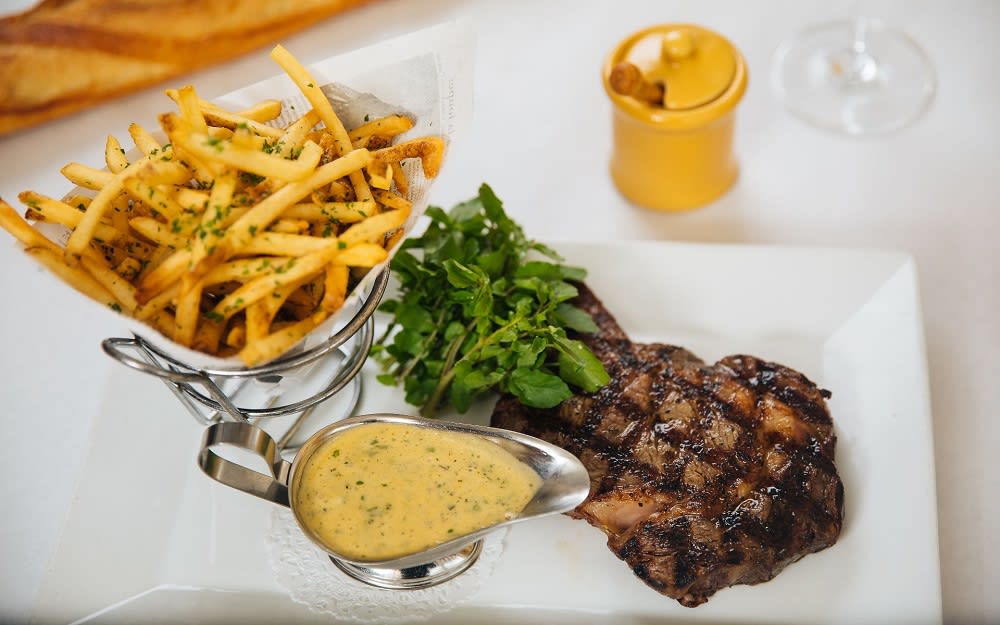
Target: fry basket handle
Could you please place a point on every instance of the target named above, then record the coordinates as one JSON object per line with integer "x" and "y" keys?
{"x": 271, "y": 487}
{"x": 115, "y": 347}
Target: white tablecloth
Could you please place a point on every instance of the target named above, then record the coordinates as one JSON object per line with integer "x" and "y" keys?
{"x": 540, "y": 137}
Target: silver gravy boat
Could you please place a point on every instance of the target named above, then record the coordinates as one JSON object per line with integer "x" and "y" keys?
{"x": 565, "y": 484}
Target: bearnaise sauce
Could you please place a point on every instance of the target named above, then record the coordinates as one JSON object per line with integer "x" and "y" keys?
{"x": 384, "y": 490}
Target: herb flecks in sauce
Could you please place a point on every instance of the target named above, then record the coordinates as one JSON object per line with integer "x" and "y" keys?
{"x": 375, "y": 492}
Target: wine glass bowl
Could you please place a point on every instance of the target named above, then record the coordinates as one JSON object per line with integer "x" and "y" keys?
{"x": 854, "y": 76}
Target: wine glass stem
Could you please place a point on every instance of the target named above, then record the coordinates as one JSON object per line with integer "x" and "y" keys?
{"x": 855, "y": 66}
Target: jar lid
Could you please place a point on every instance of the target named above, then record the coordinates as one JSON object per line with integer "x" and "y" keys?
{"x": 694, "y": 67}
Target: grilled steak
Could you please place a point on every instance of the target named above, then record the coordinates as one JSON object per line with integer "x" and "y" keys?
{"x": 702, "y": 476}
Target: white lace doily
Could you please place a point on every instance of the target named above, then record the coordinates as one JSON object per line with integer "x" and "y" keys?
{"x": 306, "y": 572}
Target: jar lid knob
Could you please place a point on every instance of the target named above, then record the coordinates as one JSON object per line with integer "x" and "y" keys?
{"x": 677, "y": 45}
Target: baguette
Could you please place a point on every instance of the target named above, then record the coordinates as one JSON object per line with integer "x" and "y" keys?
{"x": 64, "y": 55}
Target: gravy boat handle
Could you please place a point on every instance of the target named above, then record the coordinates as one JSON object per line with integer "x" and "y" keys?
{"x": 273, "y": 487}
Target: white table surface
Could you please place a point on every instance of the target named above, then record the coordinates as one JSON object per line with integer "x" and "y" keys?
{"x": 540, "y": 137}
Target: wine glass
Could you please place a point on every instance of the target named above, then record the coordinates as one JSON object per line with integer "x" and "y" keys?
{"x": 854, "y": 76}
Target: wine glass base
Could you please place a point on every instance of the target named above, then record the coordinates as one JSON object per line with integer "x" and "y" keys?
{"x": 831, "y": 78}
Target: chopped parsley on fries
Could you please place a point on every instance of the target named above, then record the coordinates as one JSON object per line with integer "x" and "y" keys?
{"x": 234, "y": 237}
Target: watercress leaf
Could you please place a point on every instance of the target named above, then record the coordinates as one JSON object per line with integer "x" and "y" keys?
{"x": 569, "y": 316}
{"x": 483, "y": 303}
{"x": 545, "y": 250}
{"x": 491, "y": 204}
{"x": 386, "y": 378}
{"x": 579, "y": 366}
{"x": 562, "y": 291}
{"x": 409, "y": 341}
{"x": 415, "y": 318}
{"x": 461, "y": 296}
{"x": 491, "y": 351}
{"x": 493, "y": 262}
{"x": 418, "y": 390}
{"x": 461, "y": 276}
{"x": 507, "y": 359}
{"x": 530, "y": 355}
{"x": 438, "y": 215}
{"x": 453, "y": 330}
{"x": 575, "y": 274}
{"x": 477, "y": 379}
{"x": 538, "y": 389}
{"x": 466, "y": 211}
{"x": 407, "y": 264}
{"x": 531, "y": 284}
{"x": 539, "y": 269}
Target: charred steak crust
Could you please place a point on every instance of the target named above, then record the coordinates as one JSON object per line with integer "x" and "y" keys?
{"x": 702, "y": 476}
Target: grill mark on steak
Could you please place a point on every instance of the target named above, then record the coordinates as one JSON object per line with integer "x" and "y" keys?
{"x": 702, "y": 476}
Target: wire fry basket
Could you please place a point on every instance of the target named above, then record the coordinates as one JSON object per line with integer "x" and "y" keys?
{"x": 292, "y": 385}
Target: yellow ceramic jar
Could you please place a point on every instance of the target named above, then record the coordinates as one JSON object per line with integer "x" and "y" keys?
{"x": 673, "y": 150}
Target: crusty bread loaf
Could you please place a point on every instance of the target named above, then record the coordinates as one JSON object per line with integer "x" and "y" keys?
{"x": 64, "y": 55}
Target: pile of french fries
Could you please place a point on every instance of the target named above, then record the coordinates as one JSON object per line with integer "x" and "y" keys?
{"x": 235, "y": 237}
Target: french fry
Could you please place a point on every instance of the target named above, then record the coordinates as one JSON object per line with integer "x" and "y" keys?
{"x": 342, "y": 212}
{"x": 86, "y": 177}
{"x": 391, "y": 200}
{"x": 250, "y": 292}
{"x": 295, "y": 135}
{"x": 290, "y": 226}
{"x": 187, "y": 101}
{"x": 114, "y": 155}
{"x": 388, "y": 126}
{"x": 19, "y": 228}
{"x": 247, "y": 269}
{"x": 74, "y": 276}
{"x": 279, "y": 342}
{"x": 208, "y": 335}
{"x": 335, "y": 287}
{"x": 399, "y": 178}
{"x": 166, "y": 273}
{"x": 237, "y": 336}
{"x": 120, "y": 288}
{"x": 263, "y": 111}
{"x": 219, "y": 117}
{"x": 119, "y": 213}
{"x": 392, "y": 238}
{"x": 430, "y": 151}
{"x": 258, "y": 321}
{"x": 312, "y": 91}
{"x": 192, "y": 200}
{"x": 212, "y": 220}
{"x": 154, "y": 198}
{"x": 278, "y": 243}
{"x": 188, "y": 309}
{"x": 150, "y": 308}
{"x": 380, "y": 175}
{"x": 84, "y": 231}
{"x": 374, "y": 227}
{"x": 54, "y": 211}
{"x": 143, "y": 140}
{"x": 260, "y": 314}
{"x": 260, "y": 216}
{"x": 157, "y": 232}
{"x": 129, "y": 268}
{"x": 362, "y": 255}
{"x": 253, "y": 161}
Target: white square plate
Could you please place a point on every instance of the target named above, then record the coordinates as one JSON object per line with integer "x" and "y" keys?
{"x": 149, "y": 539}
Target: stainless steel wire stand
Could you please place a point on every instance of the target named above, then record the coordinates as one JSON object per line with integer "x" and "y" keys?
{"x": 218, "y": 399}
